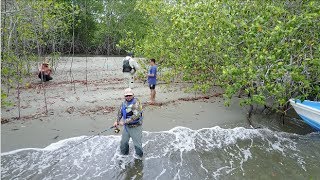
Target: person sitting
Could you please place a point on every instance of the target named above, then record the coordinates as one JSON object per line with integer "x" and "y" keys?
{"x": 45, "y": 72}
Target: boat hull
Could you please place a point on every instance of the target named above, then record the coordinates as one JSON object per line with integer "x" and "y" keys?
{"x": 309, "y": 111}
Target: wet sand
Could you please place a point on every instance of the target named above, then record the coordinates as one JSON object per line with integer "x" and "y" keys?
{"x": 80, "y": 108}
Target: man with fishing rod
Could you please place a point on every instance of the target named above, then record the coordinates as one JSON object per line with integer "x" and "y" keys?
{"x": 130, "y": 117}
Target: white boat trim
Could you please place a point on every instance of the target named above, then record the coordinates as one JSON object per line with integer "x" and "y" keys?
{"x": 309, "y": 114}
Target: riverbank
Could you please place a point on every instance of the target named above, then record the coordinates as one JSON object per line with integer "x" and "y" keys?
{"x": 78, "y": 107}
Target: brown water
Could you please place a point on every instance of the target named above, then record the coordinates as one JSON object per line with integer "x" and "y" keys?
{"x": 180, "y": 153}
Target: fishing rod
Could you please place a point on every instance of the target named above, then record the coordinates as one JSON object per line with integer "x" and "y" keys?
{"x": 116, "y": 130}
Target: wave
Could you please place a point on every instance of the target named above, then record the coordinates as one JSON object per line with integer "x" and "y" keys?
{"x": 180, "y": 153}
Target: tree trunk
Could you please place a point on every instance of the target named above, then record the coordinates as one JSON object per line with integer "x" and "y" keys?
{"x": 18, "y": 91}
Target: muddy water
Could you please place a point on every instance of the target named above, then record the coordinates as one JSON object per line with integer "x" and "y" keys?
{"x": 274, "y": 150}
{"x": 180, "y": 153}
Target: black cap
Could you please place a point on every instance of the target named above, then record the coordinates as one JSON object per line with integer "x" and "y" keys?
{"x": 130, "y": 54}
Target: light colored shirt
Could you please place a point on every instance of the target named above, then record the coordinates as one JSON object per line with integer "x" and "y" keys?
{"x": 133, "y": 63}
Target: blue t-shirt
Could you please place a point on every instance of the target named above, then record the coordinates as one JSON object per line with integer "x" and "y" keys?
{"x": 153, "y": 70}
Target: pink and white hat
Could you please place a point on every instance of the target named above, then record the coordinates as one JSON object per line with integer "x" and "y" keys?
{"x": 128, "y": 92}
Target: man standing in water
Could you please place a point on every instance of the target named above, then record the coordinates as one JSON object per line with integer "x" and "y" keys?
{"x": 152, "y": 80}
{"x": 129, "y": 68}
{"x": 130, "y": 116}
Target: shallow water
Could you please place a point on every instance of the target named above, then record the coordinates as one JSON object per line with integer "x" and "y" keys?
{"x": 181, "y": 153}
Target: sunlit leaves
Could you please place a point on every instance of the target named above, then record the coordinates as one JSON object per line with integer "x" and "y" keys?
{"x": 268, "y": 48}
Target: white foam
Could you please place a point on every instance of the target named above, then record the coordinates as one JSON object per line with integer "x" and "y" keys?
{"x": 162, "y": 172}
{"x": 56, "y": 145}
{"x": 166, "y": 147}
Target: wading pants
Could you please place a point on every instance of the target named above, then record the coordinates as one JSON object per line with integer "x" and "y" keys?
{"x": 128, "y": 79}
{"x": 136, "y": 134}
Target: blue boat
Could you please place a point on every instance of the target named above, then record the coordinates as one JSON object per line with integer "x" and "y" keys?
{"x": 309, "y": 111}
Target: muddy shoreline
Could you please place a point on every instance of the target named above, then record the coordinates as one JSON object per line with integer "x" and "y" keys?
{"x": 80, "y": 103}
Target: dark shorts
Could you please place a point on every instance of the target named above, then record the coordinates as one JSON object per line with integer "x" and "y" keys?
{"x": 152, "y": 86}
{"x": 44, "y": 77}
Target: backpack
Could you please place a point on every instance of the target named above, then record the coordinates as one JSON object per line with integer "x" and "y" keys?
{"x": 126, "y": 66}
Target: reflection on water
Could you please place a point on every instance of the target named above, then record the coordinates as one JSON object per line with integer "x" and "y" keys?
{"x": 133, "y": 170}
{"x": 291, "y": 122}
{"x": 181, "y": 153}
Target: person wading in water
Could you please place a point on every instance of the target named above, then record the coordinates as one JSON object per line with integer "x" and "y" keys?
{"x": 130, "y": 117}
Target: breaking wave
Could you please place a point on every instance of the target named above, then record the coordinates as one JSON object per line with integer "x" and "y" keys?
{"x": 180, "y": 153}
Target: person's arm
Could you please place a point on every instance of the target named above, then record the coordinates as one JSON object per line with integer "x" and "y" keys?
{"x": 134, "y": 64}
{"x": 46, "y": 70}
{"x": 136, "y": 109}
{"x": 131, "y": 63}
{"x": 49, "y": 71}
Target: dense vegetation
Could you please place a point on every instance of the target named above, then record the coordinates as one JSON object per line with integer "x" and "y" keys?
{"x": 267, "y": 49}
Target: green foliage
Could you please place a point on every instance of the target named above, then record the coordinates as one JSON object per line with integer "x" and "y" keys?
{"x": 269, "y": 49}
{"x": 86, "y": 16}
{"x": 4, "y": 101}
{"x": 143, "y": 69}
{"x": 28, "y": 29}
{"x": 129, "y": 23}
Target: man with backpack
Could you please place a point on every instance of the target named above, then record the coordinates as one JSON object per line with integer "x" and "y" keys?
{"x": 129, "y": 68}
